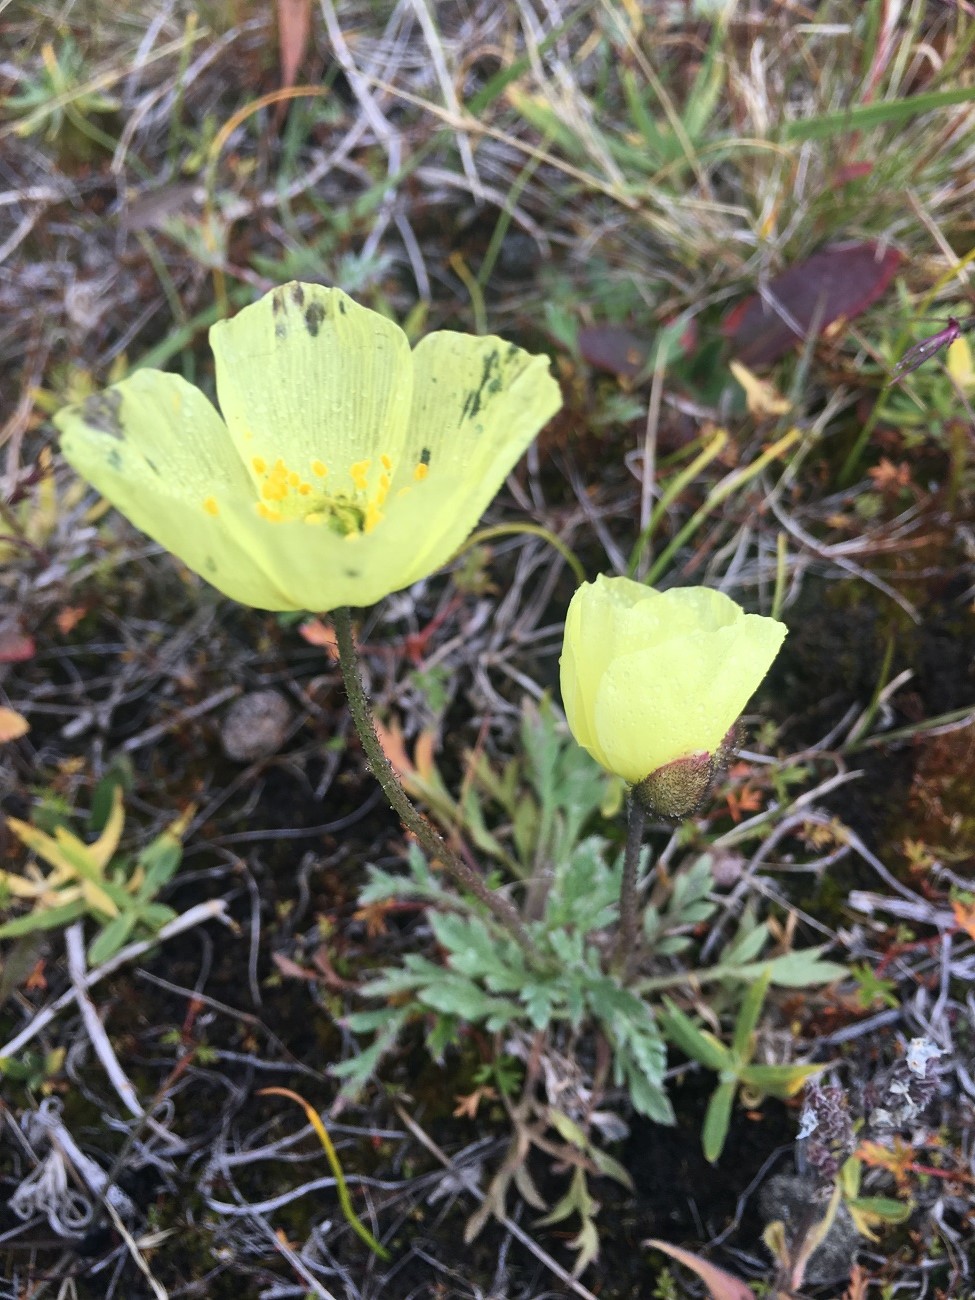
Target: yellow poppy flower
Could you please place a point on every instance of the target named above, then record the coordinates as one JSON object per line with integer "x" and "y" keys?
{"x": 344, "y": 466}
{"x": 652, "y": 679}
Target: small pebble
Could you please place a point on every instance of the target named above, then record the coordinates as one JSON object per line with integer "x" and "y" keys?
{"x": 255, "y": 726}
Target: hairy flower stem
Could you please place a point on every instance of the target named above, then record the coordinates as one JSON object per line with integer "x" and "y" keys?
{"x": 629, "y": 916}
{"x": 466, "y": 877}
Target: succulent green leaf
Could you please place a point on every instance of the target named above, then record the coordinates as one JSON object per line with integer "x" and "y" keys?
{"x": 714, "y": 1131}
{"x": 51, "y": 918}
{"x": 696, "y": 1043}
{"x": 778, "y": 1080}
{"x": 751, "y": 1009}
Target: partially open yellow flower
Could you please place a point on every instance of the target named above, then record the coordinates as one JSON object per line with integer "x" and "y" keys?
{"x": 652, "y": 679}
{"x": 345, "y": 466}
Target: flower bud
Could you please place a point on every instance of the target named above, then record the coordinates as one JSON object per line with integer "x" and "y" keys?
{"x": 677, "y": 789}
{"x": 653, "y": 683}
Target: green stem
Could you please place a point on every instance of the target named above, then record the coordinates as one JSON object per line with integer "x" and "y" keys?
{"x": 464, "y": 876}
{"x": 629, "y": 915}
{"x": 526, "y": 530}
{"x": 730, "y": 484}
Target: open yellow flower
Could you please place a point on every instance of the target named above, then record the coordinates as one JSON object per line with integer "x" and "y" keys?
{"x": 345, "y": 466}
{"x": 652, "y": 682}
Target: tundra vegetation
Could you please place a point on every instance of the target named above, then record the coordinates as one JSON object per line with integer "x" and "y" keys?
{"x": 427, "y": 868}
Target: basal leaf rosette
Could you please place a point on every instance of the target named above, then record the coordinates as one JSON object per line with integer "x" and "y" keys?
{"x": 342, "y": 466}
{"x": 653, "y": 682}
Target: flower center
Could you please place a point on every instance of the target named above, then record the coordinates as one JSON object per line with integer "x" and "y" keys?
{"x": 285, "y": 494}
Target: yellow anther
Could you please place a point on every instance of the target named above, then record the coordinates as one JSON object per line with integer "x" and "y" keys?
{"x": 210, "y": 506}
{"x": 386, "y": 463}
{"x": 359, "y": 472}
{"x": 304, "y": 489}
{"x": 319, "y": 468}
{"x": 259, "y": 464}
{"x": 373, "y": 516}
{"x": 294, "y": 479}
{"x": 272, "y": 516}
{"x": 421, "y": 472}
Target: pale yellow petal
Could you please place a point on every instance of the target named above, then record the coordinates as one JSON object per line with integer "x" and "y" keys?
{"x": 576, "y": 700}
{"x": 477, "y": 404}
{"x": 319, "y": 569}
{"x": 156, "y": 448}
{"x": 741, "y": 655}
{"x": 307, "y": 376}
{"x": 157, "y": 426}
{"x": 438, "y": 490}
{"x": 649, "y": 677}
{"x": 655, "y": 705}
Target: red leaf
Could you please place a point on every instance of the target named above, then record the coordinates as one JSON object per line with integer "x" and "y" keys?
{"x": 69, "y": 616}
{"x": 15, "y": 648}
{"x": 317, "y": 633}
{"x": 841, "y": 280}
{"x": 722, "y": 1285}
{"x": 294, "y": 28}
{"x": 854, "y": 171}
{"x": 614, "y": 349}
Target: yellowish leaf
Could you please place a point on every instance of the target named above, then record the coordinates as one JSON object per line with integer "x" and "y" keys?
{"x": 12, "y": 726}
{"x": 103, "y": 849}
{"x": 46, "y": 848}
{"x": 97, "y": 899}
{"x": 965, "y": 916}
{"x": 761, "y": 397}
{"x": 959, "y": 362}
{"x": 394, "y": 747}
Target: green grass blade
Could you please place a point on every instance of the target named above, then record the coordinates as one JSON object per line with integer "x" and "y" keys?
{"x": 864, "y": 116}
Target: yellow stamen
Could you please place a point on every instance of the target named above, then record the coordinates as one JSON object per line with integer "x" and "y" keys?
{"x": 373, "y": 516}
{"x": 359, "y": 472}
{"x": 319, "y": 468}
{"x": 210, "y": 506}
{"x": 421, "y": 472}
{"x": 259, "y": 464}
